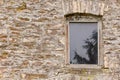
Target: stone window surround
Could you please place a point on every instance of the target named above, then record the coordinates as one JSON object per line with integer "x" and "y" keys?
{"x": 84, "y": 17}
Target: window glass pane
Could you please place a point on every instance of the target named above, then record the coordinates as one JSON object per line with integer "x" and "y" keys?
{"x": 83, "y": 38}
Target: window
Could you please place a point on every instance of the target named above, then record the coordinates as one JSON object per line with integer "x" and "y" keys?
{"x": 84, "y": 42}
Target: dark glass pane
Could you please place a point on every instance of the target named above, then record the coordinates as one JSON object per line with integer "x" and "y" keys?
{"x": 83, "y": 43}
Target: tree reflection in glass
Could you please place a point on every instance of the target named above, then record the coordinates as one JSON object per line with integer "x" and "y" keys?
{"x": 89, "y": 47}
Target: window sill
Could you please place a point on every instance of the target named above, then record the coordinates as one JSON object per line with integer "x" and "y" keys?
{"x": 84, "y": 66}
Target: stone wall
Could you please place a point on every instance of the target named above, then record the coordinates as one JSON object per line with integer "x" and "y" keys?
{"x": 32, "y": 41}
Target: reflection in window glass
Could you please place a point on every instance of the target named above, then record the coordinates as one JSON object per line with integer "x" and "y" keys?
{"x": 83, "y": 43}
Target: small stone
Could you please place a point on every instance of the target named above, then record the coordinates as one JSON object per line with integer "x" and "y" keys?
{"x": 24, "y": 19}
{"x": 42, "y": 19}
{"x": 23, "y": 76}
{"x": 62, "y": 40}
{"x": 59, "y": 49}
{"x": 4, "y": 54}
{"x": 22, "y": 6}
{"x": 1, "y": 2}
{"x": 1, "y": 76}
{"x": 49, "y": 31}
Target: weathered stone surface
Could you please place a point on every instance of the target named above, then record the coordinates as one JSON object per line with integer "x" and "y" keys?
{"x": 33, "y": 39}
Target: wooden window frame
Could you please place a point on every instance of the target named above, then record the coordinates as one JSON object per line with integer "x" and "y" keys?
{"x": 100, "y": 44}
